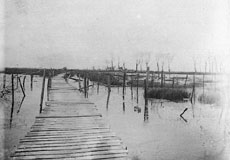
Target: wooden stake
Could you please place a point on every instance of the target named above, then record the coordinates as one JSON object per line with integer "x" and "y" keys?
{"x": 17, "y": 81}
{"x": 24, "y": 79}
{"x": 85, "y": 86}
{"x": 203, "y": 84}
{"x": 12, "y": 107}
{"x": 194, "y": 86}
{"x": 185, "y": 80}
{"x": 31, "y": 81}
{"x": 98, "y": 79}
{"x": 152, "y": 82}
{"x": 23, "y": 91}
{"x": 137, "y": 86}
{"x": 42, "y": 92}
{"x": 124, "y": 78}
{"x": 131, "y": 87}
{"x": 162, "y": 78}
{"x": 109, "y": 90}
{"x": 4, "y": 81}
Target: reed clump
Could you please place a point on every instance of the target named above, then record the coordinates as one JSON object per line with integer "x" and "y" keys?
{"x": 172, "y": 94}
{"x": 209, "y": 98}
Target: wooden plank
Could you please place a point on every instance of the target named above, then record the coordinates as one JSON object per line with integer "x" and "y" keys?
{"x": 86, "y": 157}
{"x": 68, "y": 146}
{"x": 60, "y": 152}
{"x": 67, "y": 116}
{"x": 28, "y": 146}
{"x": 80, "y": 154}
{"x": 76, "y": 137}
{"x": 84, "y": 134}
{"x": 68, "y": 102}
{"x": 79, "y": 133}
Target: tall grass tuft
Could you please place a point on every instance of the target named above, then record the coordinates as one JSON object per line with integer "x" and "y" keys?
{"x": 172, "y": 94}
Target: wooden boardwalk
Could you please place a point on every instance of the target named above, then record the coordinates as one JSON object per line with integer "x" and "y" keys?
{"x": 69, "y": 127}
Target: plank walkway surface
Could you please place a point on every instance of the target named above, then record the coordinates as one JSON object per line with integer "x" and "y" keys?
{"x": 69, "y": 127}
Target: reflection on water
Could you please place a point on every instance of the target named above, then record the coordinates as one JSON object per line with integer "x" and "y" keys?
{"x": 159, "y": 132}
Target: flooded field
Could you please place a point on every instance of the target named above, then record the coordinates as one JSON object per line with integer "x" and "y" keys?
{"x": 155, "y": 131}
{"x": 158, "y": 132}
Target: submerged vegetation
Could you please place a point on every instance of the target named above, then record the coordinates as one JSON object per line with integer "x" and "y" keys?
{"x": 172, "y": 94}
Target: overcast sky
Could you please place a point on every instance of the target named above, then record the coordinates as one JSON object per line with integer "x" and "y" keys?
{"x": 86, "y": 33}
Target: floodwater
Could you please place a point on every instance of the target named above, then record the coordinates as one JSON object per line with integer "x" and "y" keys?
{"x": 23, "y": 117}
{"x": 149, "y": 132}
{"x": 158, "y": 132}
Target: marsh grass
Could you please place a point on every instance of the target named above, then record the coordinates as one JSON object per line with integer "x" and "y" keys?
{"x": 172, "y": 94}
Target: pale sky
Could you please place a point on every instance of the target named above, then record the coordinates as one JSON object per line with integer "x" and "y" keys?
{"x": 87, "y": 33}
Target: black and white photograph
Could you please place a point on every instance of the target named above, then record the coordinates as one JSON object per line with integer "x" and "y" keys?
{"x": 115, "y": 79}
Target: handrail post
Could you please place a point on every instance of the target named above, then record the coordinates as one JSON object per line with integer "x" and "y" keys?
{"x": 42, "y": 92}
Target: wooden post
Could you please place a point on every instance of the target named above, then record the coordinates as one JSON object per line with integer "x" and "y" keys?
{"x": 203, "y": 84}
{"x": 4, "y": 81}
{"x": 152, "y": 81}
{"x": 158, "y": 70}
{"x": 79, "y": 81}
{"x": 85, "y": 86}
{"x": 173, "y": 83}
{"x": 17, "y": 81}
{"x": 147, "y": 77}
{"x": 12, "y": 107}
{"x": 24, "y": 79}
{"x": 124, "y": 78}
{"x": 23, "y": 91}
{"x": 131, "y": 87}
{"x": 145, "y": 92}
{"x": 48, "y": 87}
{"x": 137, "y": 86}
{"x": 98, "y": 79}
{"x": 42, "y": 92}
{"x": 109, "y": 90}
{"x": 162, "y": 78}
{"x": 194, "y": 87}
{"x": 31, "y": 81}
{"x": 185, "y": 80}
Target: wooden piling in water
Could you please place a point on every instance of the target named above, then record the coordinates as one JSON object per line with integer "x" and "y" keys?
{"x": 24, "y": 79}
{"x": 48, "y": 86}
{"x": 152, "y": 80}
{"x": 194, "y": 88}
{"x": 98, "y": 79}
{"x": 87, "y": 87}
{"x": 203, "y": 85}
{"x": 20, "y": 83}
{"x": 131, "y": 87}
{"x": 4, "y": 81}
{"x": 137, "y": 86}
{"x": 31, "y": 81}
{"x": 186, "y": 81}
{"x": 79, "y": 82}
{"x": 124, "y": 78}
{"x": 173, "y": 82}
{"x": 12, "y": 90}
{"x": 147, "y": 77}
{"x": 42, "y": 91}
{"x": 17, "y": 81}
{"x": 145, "y": 92}
{"x": 109, "y": 90}
{"x": 85, "y": 91}
{"x": 162, "y": 78}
